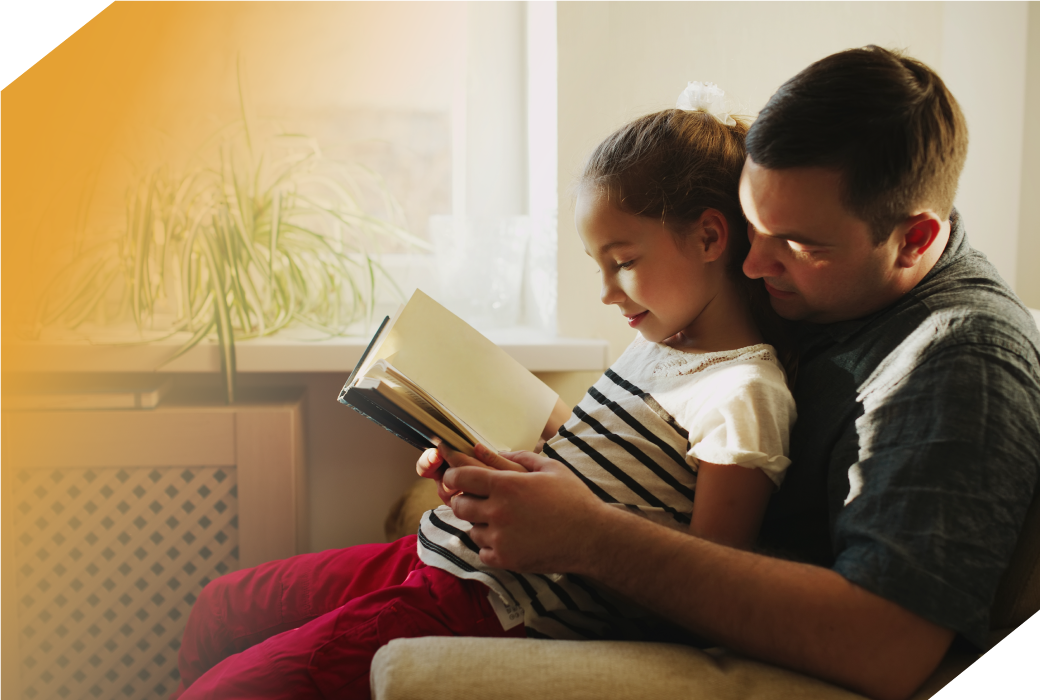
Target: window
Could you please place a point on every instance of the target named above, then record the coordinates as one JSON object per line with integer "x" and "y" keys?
{"x": 450, "y": 104}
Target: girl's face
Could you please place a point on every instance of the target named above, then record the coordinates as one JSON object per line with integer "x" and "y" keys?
{"x": 660, "y": 285}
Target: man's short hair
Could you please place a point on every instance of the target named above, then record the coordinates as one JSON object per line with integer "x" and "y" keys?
{"x": 884, "y": 120}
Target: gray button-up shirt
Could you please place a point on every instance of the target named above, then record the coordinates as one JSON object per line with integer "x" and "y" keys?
{"x": 917, "y": 447}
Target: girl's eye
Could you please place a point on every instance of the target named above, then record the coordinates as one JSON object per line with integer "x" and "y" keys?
{"x": 625, "y": 265}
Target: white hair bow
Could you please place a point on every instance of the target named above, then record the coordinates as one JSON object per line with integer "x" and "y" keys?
{"x": 706, "y": 97}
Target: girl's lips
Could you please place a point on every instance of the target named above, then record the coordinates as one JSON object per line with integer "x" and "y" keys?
{"x": 633, "y": 321}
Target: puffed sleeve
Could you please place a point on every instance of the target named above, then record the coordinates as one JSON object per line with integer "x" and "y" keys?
{"x": 746, "y": 419}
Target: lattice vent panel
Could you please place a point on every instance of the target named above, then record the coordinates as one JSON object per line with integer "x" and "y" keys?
{"x": 109, "y": 562}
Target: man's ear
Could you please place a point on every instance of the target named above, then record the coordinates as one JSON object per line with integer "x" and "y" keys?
{"x": 712, "y": 234}
{"x": 916, "y": 235}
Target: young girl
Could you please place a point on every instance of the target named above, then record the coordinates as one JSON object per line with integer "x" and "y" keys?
{"x": 688, "y": 428}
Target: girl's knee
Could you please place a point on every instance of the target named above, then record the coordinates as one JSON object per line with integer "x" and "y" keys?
{"x": 211, "y": 600}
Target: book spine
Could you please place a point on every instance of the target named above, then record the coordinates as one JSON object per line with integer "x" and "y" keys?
{"x": 354, "y": 398}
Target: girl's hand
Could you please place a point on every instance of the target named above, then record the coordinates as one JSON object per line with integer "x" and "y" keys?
{"x": 433, "y": 462}
{"x": 431, "y": 466}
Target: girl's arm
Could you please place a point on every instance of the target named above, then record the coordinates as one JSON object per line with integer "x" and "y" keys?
{"x": 729, "y": 503}
{"x": 560, "y": 413}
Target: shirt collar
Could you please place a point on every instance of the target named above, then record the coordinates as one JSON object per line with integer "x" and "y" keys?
{"x": 956, "y": 247}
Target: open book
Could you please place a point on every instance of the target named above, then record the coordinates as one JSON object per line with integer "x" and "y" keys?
{"x": 428, "y": 376}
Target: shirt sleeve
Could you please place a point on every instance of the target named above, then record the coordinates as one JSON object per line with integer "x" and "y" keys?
{"x": 747, "y": 420}
{"x": 948, "y": 463}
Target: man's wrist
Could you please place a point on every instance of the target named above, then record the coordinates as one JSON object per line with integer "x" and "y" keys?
{"x": 596, "y": 556}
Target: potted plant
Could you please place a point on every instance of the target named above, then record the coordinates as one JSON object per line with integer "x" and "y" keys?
{"x": 264, "y": 234}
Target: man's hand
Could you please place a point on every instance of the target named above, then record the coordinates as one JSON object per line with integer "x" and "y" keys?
{"x": 529, "y": 513}
{"x": 795, "y": 615}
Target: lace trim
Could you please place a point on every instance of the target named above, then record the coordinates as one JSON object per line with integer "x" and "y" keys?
{"x": 684, "y": 363}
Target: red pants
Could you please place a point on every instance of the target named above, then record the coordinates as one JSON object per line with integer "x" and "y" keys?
{"x": 307, "y": 627}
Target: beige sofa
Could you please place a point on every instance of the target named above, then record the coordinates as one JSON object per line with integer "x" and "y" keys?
{"x": 466, "y": 668}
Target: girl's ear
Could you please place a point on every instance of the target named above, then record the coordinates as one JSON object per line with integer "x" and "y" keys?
{"x": 712, "y": 235}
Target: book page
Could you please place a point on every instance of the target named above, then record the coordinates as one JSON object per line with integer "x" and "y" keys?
{"x": 419, "y": 417}
{"x": 415, "y": 393}
{"x": 475, "y": 379}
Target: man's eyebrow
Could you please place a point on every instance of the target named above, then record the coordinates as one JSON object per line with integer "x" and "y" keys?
{"x": 800, "y": 238}
{"x": 793, "y": 236}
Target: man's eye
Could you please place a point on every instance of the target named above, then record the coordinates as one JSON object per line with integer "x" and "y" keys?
{"x": 802, "y": 248}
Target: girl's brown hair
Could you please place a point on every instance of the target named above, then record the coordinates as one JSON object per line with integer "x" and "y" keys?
{"x": 672, "y": 166}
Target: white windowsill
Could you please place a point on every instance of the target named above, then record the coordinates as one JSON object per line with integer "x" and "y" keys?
{"x": 535, "y": 350}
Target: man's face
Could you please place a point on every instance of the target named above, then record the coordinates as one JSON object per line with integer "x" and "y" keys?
{"x": 818, "y": 261}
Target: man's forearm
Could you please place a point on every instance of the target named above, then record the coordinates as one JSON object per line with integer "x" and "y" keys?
{"x": 802, "y": 617}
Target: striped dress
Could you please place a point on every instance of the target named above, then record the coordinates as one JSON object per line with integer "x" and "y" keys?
{"x": 635, "y": 440}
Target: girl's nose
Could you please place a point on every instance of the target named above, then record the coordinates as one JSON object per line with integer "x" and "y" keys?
{"x": 610, "y": 293}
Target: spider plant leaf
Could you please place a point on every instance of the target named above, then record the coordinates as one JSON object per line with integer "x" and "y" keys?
{"x": 371, "y": 281}
{"x": 236, "y": 268}
{"x": 80, "y": 293}
{"x": 228, "y": 262}
{"x": 188, "y": 256}
{"x": 71, "y": 282}
{"x": 254, "y": 191}
{"x": 137, "y": 248}
{"x": 373, "y": 224}
{"x": 222, "y": 318}
{"x": 390, "y": 280}
{"x": 276, "y": 220}
{"x": 240, "y": 218}
{"x": 252, "y": 302}
{"x": 242, "y": 102}
{"x": 91, "y": 304}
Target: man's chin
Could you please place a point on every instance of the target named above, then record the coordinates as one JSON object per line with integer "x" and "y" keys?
{"x": 790, "y": 308}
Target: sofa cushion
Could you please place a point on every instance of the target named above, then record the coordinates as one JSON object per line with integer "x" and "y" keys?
{"x": 467, "y": 668}
{"x": 404, "y": 516}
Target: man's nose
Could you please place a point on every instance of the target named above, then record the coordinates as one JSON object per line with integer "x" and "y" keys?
{"x": 761, "y": 260}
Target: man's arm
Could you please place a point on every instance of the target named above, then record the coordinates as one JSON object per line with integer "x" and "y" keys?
{"x": 802, "y": 617}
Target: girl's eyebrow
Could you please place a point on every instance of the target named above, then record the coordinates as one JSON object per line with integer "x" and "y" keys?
{"x": 616, "y": 244}
{"x": 608, "y": 246}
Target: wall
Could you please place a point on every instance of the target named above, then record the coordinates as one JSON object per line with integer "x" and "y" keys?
{"x": 620, "y": 60}
{"x": 984, "y": 66}
{"x": 1028, "y": 281}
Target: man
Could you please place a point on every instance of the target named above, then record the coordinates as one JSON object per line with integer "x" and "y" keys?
{"x": 917, "y": 448}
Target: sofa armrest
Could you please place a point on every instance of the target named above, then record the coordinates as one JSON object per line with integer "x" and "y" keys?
{"x": 468, "y": 668}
